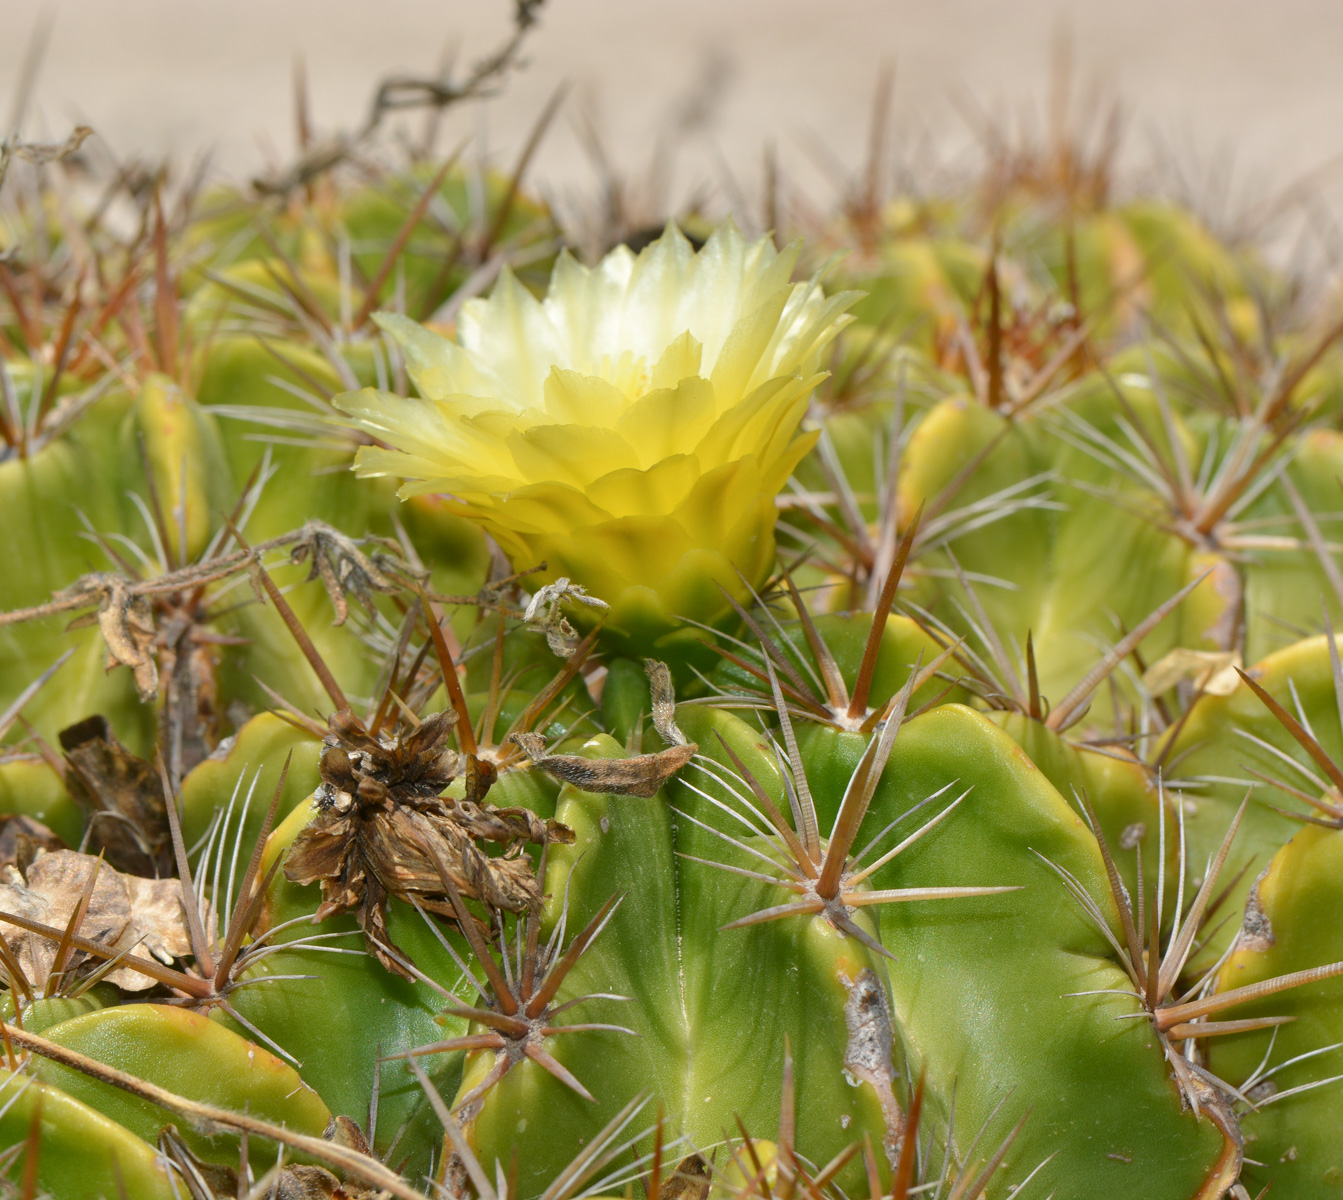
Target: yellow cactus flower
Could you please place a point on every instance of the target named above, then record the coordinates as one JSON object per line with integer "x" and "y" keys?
{"x": 631, "y": 430}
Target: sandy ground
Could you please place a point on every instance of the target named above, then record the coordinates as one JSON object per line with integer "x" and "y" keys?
{"x": 1198, "y": 76}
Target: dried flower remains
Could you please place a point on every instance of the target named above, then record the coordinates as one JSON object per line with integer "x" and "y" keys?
{"x": 382, "y": 826}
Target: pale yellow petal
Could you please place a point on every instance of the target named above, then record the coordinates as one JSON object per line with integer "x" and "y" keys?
{"x": 717, "y": 291}
{"x": 718, "y": 500}
{"x": 572, "y": 454}
{"x": 545, "y": 508}
{"x": 681, "y": 360}
{"x": 512, "y": 338}
{"x": 775, "y": 427}
{"x": 775, "y": 470}
{"x": 582, "y": 399}
{"x": 654, "y": 312}
{"x": 436, "y": 366}
{"x": 659, "y": 489}
{"x": 810, "y": 320}
{"x": 414, "y": 427}
{"x": 748, "y": 340}
{"x": 585, "y": 307}
{"x": 720, "y": 441}
{"x": 669, "y": 421}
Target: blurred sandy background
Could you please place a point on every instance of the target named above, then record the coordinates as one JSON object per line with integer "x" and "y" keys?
{"x": 1199, "y": 77}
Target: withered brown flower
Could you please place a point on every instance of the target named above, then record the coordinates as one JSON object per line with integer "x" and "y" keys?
{"x": 381, "y": 824}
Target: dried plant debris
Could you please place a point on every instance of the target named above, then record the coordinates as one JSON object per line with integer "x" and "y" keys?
{"x": 138, "y": 618}
{"x": 40, "y": 154}
{"x": 346, "y": 570}
{"x": 22, "y": 839}
{"x": 662, "y": 696}
{"x": 545, "y": 613}
{"x": 211, "y": 1181}
{"x": 123, "y": 795}
{"x": 643, "y": 775}
{"x": 122, "y": 912}
{"x": 382, "y": 827}
{"x": 689, "y": 1181}
{"x": 402, "y": 93}
{"x": 869, "y": 1054}
{"x": 126, "y": 621}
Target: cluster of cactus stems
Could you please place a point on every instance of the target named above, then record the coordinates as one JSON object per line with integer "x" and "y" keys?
{"x": 874, "y": 736}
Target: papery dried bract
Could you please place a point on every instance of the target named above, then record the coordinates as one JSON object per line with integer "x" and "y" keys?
{"x": 381, "y": 828}
{"x": 642, "y": 775}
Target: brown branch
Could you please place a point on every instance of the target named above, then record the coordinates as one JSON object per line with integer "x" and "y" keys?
{"x": 404, "y": 93}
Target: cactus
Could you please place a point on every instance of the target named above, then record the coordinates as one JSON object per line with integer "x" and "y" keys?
{"x": 709, "y": 773}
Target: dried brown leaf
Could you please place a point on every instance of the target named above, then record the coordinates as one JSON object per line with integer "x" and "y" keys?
{"x": 690, "y": 1180}
{"x": 124, "y": 911}
{"x": 124, "y": 796}
{"x": 480, "y": 777}
{"x": 157, "y": 917}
